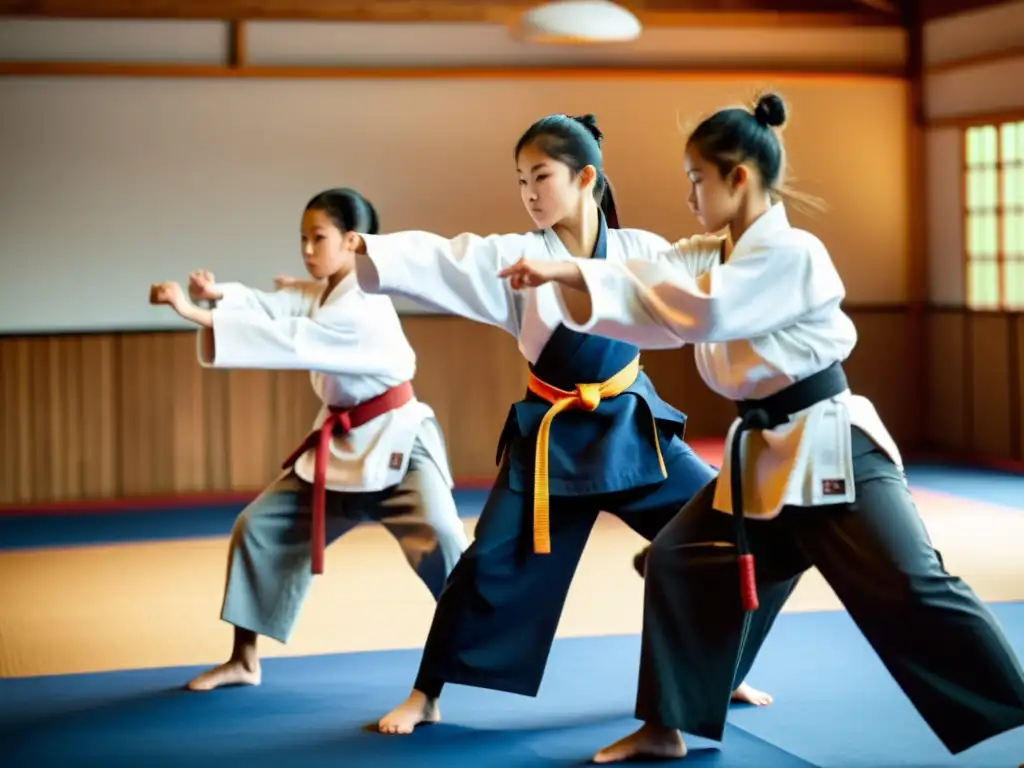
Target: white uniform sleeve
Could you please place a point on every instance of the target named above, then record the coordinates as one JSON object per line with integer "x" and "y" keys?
{"x": 653, "y": 303}
{"x": 459, "y": 276}
{"x": 355, "y": 341}
{"x": 294, "y": 301}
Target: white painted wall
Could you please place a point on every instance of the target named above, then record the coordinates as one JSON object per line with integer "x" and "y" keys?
{"x": 110, "y": 184}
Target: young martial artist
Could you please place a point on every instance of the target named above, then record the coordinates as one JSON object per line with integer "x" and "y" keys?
{"x": 591, "y": 433}
{"x": 376, "y": 453}
{"x": 822, "y": 483}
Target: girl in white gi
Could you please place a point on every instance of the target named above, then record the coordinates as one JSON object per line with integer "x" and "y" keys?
{"x": 822, "y": 481}
{"x": 591, "y": 433}
{"x": 376, "y": 453}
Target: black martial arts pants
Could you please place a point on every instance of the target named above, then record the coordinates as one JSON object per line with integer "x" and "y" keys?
{"x": 938, "y": 640}
{"x": 497, "y": 615}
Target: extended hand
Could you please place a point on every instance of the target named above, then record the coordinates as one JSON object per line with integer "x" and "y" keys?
{"x": 173, "y": 295}
{"x": 200, "y": 286}
{"x": 530, "y": 274}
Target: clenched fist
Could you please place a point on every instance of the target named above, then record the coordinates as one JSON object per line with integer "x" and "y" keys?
{"x": 169, "y": 293}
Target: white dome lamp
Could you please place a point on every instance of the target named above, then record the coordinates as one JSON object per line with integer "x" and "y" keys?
{"x": 569, "y": 22}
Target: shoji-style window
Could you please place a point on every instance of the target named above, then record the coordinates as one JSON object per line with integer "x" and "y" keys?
{"x": 994, "y": 215}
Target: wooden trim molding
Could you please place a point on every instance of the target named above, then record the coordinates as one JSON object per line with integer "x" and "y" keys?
{"x": 703, "y": 71}
{"x": 652, "y": 13}
{"x": 977, "y": 118}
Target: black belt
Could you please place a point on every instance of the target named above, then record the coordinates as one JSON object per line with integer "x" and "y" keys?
{"x": 769, "y": 413}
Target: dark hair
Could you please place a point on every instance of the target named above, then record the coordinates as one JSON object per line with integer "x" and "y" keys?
{"x": 734, "y": 136}
{"x": 349, "y": 210}
{"x": 575, "y": 141}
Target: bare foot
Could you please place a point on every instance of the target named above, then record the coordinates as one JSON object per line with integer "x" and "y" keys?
{"x": 233, "y": 672}
{"x": 650, "y": 742}
{"x": 747, "y": 695}
{"x": 416, "y": 710}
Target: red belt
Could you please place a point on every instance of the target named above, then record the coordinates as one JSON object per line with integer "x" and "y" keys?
{"x": 339, "y": 421}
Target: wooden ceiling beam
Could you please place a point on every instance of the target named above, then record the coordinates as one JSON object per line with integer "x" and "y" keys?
{"x": 651, "y": 12}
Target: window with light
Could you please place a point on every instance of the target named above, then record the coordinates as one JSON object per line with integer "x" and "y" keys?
{"x": 994, "y": 215}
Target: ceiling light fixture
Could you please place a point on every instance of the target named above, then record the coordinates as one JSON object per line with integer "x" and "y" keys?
{"x": 574, "y": 22}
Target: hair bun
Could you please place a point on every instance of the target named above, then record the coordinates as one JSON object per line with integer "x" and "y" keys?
{"x": 770, "y": 110}
{"x": 589, "y": 122}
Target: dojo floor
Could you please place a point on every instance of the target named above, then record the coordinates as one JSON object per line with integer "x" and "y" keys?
{"x": 104, "y": 615}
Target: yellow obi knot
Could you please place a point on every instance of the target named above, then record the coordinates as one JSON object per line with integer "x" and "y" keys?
{"x": 589, "y": 396}
{"x": 585, "y": 397}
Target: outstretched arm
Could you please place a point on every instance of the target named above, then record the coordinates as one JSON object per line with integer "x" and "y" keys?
{"x": 657, "y": 304}
{"x": 345, "y": 345}
{"x": 459, "y": 275}
{"x": 293, "y": 297}
{"x": 359, "y": 340}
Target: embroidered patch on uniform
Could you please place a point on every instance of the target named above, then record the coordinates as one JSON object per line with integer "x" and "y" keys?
{"x": 396, "y": 461}
{"x": 833, "y": 487}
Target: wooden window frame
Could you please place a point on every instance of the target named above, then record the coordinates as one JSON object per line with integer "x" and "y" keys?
{"x": 1005, "y": 300}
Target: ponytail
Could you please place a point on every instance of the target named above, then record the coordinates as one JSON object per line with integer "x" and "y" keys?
{"x": 607, "y": 205}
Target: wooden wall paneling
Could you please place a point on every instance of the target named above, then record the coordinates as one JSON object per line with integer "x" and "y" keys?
{"x": 433, "y": 379}
{"x": 56, "y": 425}
{"x": 881, "y": 369}
{"x": 947, "y": 394}
{"x": 675, "y": 375}
{"x": 30, "y": 402}
{"x": 1017, "y": 385}
{"x": 470, "y": 373}
{"x": 65, "y": 428}
{"x": 295, "y": 407}
{"x": 134, "y": 406}
{"x": 37, "y": 442}
{"x": 30, "y": 399}
{"x": 188, "y": 446}
{"x": 1016, "y": 350}
{"x": 115, "y": 415}
{"x": 147, "y": 402}
{"x": 58, "y": 418}
{"x": 990, "y": 396}
{"x": 250, "y": 415}
{"x": 42, "y": 448}
{"x": 217, "y": 428}
{"x": 16, "y": 416}
{"x": 11, "y": 410}
{"x": 99, "y": 416}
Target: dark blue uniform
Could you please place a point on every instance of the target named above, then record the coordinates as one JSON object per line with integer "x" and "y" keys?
{"x": 496, "y": 618}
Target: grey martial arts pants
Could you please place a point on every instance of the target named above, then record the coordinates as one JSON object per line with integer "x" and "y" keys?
{"x": 269, "y": 561}
{"x": 941, "y": 644}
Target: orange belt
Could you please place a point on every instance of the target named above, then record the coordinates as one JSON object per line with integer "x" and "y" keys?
{"x": 585, "y": 397}
{"x": 344, "y": 419}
